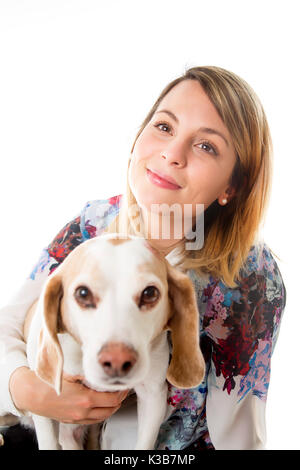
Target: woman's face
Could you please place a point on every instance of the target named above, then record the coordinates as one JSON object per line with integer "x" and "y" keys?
{"x": 191, "y": 146}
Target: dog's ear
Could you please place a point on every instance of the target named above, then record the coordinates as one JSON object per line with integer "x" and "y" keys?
{"x": 187, "y": 367}
{"x": 49, "y": 366}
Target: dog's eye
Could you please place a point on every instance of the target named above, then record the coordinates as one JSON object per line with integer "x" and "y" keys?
{"x": 83, "y": 292}
{"x": 84, "y": 296}
{"x": 149, "y": 296}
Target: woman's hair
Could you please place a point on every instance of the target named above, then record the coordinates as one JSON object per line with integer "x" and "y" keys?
{"x": 230, "y": 230}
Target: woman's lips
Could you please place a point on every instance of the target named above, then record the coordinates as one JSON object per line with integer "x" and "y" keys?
{"x": 159, "y": 181}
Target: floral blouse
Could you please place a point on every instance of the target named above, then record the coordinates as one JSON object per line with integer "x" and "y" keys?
{"x": 238, "y": 331}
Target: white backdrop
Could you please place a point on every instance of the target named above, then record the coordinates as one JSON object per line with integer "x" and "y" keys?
{"x": 77, "y": 77}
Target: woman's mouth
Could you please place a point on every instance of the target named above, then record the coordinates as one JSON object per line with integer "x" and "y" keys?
{"x": 160, "y": 181}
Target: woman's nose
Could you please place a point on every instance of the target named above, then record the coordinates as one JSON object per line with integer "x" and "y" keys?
{"x": 175, "y": 153}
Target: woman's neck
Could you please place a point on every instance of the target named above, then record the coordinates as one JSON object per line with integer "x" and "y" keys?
{"x": 164, "y": 246}
{"x": 162, "y": 232}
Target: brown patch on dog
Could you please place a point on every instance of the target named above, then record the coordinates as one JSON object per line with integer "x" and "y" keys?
{"x": 187, "y": 367}
{"x": 50, "y": 356}
{"x": 118, "y": 241}
{"x": 157, "y": 266}
{"x": 47, "y": 359}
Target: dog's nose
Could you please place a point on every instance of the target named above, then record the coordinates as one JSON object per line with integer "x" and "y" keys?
{"x": 117, "y": 359}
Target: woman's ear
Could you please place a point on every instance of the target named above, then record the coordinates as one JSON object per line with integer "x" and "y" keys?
{"x": 49, "y": 365}
{"x": 227, "y": 195}
{"x": 187, "y": 367}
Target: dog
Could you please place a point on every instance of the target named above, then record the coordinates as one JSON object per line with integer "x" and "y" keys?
{"x": 104, "y": 314}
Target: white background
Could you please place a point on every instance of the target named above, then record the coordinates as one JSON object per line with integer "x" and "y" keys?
{"x": 76, "y": 80}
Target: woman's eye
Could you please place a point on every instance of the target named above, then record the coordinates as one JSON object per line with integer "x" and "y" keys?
{"x": 208, "y": 148}
{"x": 149, "y": 296}
{"x": 160, "y": 125}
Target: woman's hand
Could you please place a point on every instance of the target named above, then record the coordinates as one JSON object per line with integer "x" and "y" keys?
{"x": 76, "y": 404}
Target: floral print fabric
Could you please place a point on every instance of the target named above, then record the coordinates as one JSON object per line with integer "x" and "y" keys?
{"x": 238, "y": 329}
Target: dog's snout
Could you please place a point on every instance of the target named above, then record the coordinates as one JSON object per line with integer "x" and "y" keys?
{"x": 117, "y": 359}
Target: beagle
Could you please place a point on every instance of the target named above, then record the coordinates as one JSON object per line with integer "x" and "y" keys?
{"x": 104, "y": 314}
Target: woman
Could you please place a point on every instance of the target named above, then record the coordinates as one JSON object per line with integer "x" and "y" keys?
{"x": 207, "y": 133}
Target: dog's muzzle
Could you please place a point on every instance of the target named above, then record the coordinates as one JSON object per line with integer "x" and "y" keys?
{"x": 117, "y": 359}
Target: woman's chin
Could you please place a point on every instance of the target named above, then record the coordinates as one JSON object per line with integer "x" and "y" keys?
{"x": 152, "y": 200}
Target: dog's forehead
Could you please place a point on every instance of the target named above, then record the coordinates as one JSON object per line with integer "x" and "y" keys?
{"x": 113, "y": 257}
{"x": 132, "y": 253}
{"x": 138, "y": 245}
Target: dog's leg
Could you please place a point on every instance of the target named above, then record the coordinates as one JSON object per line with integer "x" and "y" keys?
{"x": 92, "y": 440}
{"x": 71, "y": 436}
{"x": 47, "y": 433}
{"x": 152, "y": 406}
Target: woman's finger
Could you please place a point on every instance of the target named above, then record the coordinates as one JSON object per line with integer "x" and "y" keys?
{"x": 106, "y": 399}
{"x": 95, "y": 415}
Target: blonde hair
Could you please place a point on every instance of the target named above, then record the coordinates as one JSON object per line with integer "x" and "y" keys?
{"x": 230, "y": 230}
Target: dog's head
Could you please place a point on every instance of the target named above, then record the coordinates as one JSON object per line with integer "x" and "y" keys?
{"x": 116, "y": 296}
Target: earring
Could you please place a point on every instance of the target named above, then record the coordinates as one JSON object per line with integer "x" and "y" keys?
{"x": 224, "y": 201}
